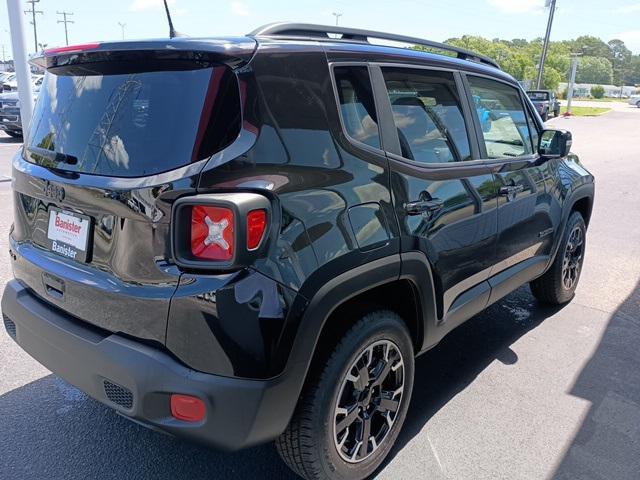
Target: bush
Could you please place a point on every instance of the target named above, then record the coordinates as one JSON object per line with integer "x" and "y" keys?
{"x": 597, "y": 91}
{"x": 564, "y": 94}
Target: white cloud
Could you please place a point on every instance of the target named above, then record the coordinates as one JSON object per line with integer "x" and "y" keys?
{"x": 517, "y": 6}
{"x": 140, "y": 5}
{"x": 240, "y": 8}
{"x": 634, "y": 7}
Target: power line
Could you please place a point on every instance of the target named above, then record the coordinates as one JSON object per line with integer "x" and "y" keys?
{"x": 33, "y": 12}
{"x": 65, "y": 21}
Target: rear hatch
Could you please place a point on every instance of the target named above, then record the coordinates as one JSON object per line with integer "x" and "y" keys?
{"x": 119, "y": 131}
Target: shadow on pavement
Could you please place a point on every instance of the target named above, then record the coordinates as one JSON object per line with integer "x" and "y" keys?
{"x": 51, "y": 430}
{"x": 607, "y": 446}
{"x": 451, "y": 366}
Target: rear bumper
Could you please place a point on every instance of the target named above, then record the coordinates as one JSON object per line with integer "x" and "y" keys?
{"x": 137, "y": 380}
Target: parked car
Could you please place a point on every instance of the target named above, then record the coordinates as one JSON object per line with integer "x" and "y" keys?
{"x": 11, "y": 84}
{"x": 10, "y": 120}
{"x": 634, "y": 100}
{"x": 7, "y": 81}
{"x": 267, "y": 264}
{"x": 545, "y": 102}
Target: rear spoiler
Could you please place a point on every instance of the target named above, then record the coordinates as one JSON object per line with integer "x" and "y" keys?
{"x": 234, "y": 52}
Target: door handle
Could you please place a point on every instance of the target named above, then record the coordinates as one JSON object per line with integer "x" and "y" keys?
{"x": 424, "y": 207}
{"x": 511, "y": 190}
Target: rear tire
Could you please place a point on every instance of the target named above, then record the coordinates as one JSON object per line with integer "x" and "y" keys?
{"x": 13, "y": 134}
{"x": 545, "y": 116}
{"x": 558, "y": 285}
{"x": 366, "y": 380}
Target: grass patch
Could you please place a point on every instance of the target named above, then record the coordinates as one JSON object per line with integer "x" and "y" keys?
{"x": 585, "y": 111}
{"x": 603, "y": 100}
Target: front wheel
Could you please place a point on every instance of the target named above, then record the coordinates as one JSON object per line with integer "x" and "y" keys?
{"x": 351, "y": 411}
{"x": 545, "y": 115}
{"x": 558, "y": 284}
{"x": 13, "y": 134}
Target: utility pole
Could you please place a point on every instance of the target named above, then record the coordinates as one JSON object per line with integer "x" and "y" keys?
{"x": 65, "y": 21}
{"x": 572, "y": 81}
{"x": 4, "y": 60}
{"x": 337, "y": 15}
{"x": 545, "y": 46}
{"x": 33, "y": 12}
{"x": 122, "y": 25}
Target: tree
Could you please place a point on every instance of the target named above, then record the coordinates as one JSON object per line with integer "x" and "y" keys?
{"x": 591, "y": 46}
{"x": 620, "y": 58}
{"x": 595, "y": 70}
{"x": 550, "y": 79}
{"x": 597, "y": 91}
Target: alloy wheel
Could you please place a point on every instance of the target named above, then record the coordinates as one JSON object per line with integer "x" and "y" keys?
{"x": 572, "y": 261}
{"x": 369, "y": 401}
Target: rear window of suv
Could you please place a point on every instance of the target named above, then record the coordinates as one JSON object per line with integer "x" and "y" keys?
{"x": 133, "y": 124}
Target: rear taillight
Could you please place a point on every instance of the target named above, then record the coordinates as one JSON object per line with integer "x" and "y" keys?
{"x": 220, "y": 230}
{"x": 212, "y": 232}
{"x": 256, "y": 226}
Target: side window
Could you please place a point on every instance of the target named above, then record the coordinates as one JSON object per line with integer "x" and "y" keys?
{"x": 427, "y": 113}
{"x": 356, "y": 104}
{"x": 533, "y": 129}
{"x": 502, "y": 118}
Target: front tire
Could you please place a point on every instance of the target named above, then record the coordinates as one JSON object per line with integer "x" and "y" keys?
{"x": 545, "y": 116}
{"x": 353, "y": 407}
{"x": 13, "y": 134}
{"x": 558, "y": 285}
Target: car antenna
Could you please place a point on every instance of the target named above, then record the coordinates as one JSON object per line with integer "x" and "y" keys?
{"x": 172, "y": 31}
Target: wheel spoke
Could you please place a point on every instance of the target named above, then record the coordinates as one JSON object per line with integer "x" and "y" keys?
{"x": 388, "y": 404}
{"x": 350, "y": 417}
{"x": 364, "y": 439}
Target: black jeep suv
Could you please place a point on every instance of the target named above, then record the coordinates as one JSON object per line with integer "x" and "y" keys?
{"x": 239, "y": 240}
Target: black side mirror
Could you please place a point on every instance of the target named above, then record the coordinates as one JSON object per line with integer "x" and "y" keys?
{"x": 554, "y": 144}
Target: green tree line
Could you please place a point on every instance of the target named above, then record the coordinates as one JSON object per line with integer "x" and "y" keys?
{"x": 610, "y": 63}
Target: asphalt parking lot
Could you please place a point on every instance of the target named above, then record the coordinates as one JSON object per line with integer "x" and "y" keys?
{"x": 521, "y": 391}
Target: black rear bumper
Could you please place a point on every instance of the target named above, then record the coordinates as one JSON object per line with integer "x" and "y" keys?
{"x": 137, "y": 380}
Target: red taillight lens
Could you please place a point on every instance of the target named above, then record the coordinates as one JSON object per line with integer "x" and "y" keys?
{"x": 212, "y": 233}
{"x": 256, "y": 226}
{"x": 187, "y": 408}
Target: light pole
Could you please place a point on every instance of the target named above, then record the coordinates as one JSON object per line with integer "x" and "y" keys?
{"x": 122, "y": 25}
{"x": 337, "y": 15}
{"x": 572, "y": 81}
{"x": 18, "y": 43}
{"x": 545, "y": 46}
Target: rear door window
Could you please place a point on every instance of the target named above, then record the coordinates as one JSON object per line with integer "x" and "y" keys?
{"x": 502, "y": 118}
{"x": 133, "y": 124}
{"x": 357, "y": 107}
{"x": 427, "y": 114}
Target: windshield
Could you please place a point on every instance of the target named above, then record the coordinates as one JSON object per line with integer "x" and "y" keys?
{"x": 540, "y": 96}
{"x": 134, "y": 124}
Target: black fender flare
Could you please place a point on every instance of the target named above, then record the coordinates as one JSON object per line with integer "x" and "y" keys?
{"x": 586, "y": 190}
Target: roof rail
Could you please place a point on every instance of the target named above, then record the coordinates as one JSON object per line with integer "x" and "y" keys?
{"x": 307, "y": 30}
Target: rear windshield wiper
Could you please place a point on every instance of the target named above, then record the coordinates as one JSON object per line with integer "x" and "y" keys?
{"x": 50, "y": 155}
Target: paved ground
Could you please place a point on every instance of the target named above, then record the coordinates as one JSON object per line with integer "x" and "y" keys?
{"x": 519, "y": 392}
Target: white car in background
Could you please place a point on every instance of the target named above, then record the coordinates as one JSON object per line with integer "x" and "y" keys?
{"x": 634, "y": 100}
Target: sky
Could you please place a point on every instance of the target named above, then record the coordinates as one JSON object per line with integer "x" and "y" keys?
{"x": 433, "y": 19}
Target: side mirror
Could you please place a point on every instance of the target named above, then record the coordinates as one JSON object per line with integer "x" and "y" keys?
{"x": 554, "y": 144}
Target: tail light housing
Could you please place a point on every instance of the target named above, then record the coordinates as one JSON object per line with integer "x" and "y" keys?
{"x": 222, "y": 231}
